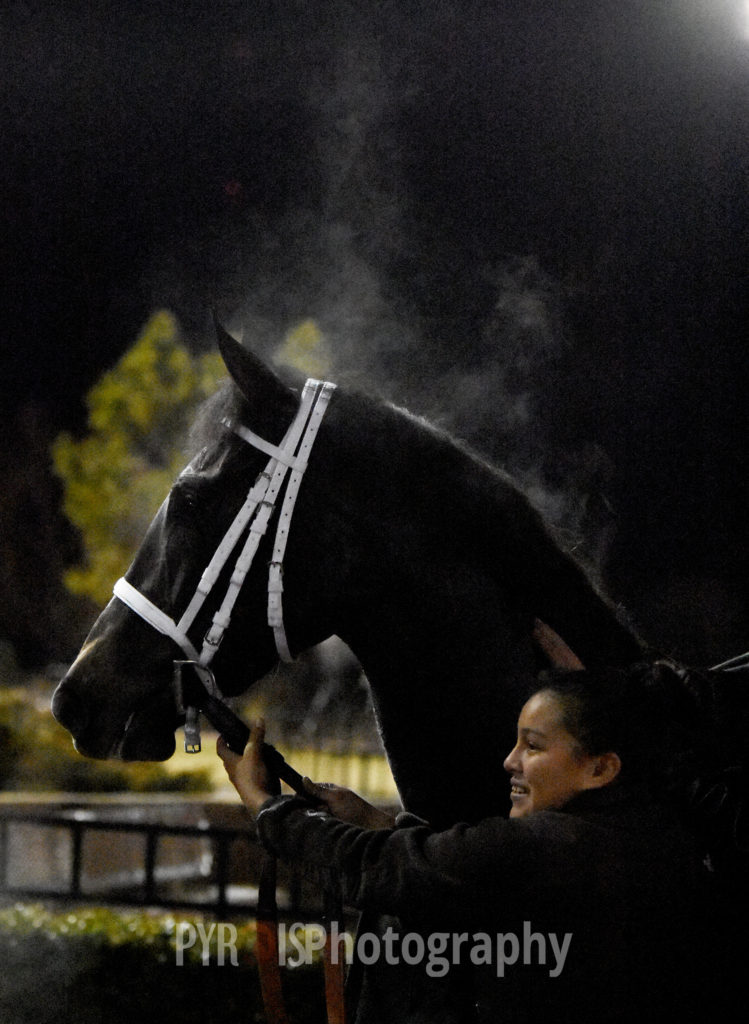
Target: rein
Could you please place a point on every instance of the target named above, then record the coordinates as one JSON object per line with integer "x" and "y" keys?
{"x": 198, "y": 691}
{"x": 741, "y": 661}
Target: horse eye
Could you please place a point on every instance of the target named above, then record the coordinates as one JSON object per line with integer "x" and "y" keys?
{"x": 183, "y": 501}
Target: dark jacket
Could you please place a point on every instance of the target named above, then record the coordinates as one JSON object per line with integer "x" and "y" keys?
{"x": 616, "y": 874}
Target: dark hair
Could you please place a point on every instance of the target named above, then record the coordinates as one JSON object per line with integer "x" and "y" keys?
{"x": 612, "y": 709}
{"x": 681, "y": 735}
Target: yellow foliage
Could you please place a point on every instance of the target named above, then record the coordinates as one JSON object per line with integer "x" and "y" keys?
{"x": 116, "y": 476}
{"x": 305, "y": 349}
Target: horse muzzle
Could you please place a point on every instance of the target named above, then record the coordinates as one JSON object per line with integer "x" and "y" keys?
{"x": 69, "y": 710}
{"x": 145, "y": 735}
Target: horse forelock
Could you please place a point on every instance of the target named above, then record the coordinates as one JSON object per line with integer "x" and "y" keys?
{"x": 207, "y": 430}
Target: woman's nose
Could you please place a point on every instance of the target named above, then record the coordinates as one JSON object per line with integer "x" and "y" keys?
{"x": 511, "y": 762}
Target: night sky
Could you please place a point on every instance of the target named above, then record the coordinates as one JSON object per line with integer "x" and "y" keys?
{"x": 525, "y": 219}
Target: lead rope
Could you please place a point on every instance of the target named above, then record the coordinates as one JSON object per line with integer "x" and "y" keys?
{"x": 267, "y": 948}
{"x": 333, "y": 964}
{"x": 266, "y": 943}
{"x": 192, "y": 690}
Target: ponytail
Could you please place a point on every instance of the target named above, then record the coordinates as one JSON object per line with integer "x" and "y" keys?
{"x": 682, "y": 736}
{"x": 713, "y": 792}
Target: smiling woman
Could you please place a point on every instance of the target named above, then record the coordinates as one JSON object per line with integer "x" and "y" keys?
{"x": 595, "y": 859}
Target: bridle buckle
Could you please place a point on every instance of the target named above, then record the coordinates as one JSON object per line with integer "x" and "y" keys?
{"x": 185, "y": 706}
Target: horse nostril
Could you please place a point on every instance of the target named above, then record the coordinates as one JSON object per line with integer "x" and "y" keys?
{"x": 69, "y": 711}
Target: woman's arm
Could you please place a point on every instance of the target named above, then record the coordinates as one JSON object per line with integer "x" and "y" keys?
{"x": 348, "y": 806}
{"x": 454, "y": 876}
{"x": 459, "y": 874}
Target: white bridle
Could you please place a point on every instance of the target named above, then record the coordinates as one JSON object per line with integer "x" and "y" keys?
{"x": 256, "y": 512}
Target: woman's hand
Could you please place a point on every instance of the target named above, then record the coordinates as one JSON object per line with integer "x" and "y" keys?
{"x": 247, "y": 772}
{"x": 251, "y": 779}
{"x": 348, "y": 806}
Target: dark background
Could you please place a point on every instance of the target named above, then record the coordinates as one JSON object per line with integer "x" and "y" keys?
{"x": 526, "y": 219}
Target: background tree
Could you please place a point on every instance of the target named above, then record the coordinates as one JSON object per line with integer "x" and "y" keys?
{"x": 116, "y": 476}
{"x": 39, "y": 619}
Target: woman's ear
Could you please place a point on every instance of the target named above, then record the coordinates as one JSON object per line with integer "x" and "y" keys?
{"x": 605, "y": 768}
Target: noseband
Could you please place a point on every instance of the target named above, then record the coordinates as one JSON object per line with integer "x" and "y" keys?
{"x": 289, "y": 458}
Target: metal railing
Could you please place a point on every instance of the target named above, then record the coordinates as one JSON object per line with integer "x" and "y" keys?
{"x": 72, "y": 855}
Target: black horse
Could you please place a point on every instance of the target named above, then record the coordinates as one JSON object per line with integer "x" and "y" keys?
{"x": 426, "y": 560}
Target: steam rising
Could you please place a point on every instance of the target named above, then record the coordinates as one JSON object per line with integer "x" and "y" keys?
{"x": 455, "y": 189}
{"x": 479, "y": 374}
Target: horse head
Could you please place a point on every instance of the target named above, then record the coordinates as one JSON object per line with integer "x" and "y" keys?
{"x": 117, "y": 698}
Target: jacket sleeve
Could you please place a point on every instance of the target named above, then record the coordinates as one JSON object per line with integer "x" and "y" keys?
{"x": 466, "y": 871}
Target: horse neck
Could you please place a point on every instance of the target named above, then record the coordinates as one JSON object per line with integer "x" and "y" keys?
{"x": 447, "y": 691}
{"x": 450, "y": 661}
{"x": 449, "y": 567}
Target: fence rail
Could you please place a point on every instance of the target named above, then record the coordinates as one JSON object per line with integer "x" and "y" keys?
{"x": 73, "y": 855}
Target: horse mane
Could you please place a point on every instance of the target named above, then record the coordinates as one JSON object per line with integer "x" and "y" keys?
{"x": 422, "y": 456}
{"x": 455, "y": 499}
{"x": 465, "y": 491}
{"x": 425, "y": 437}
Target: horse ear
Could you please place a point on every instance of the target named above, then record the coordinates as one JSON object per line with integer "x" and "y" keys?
{"x": 555, "y": 649}
{"x": 257, "y": 382}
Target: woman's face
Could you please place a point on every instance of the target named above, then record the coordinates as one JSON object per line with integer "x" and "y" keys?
{"x": 547, "y": 766}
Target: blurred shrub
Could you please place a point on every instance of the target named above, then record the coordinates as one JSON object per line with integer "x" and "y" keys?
{"x": 37, "y": 754}
{"x": 116, "y": 476}
{"x": 100, "y": 966}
